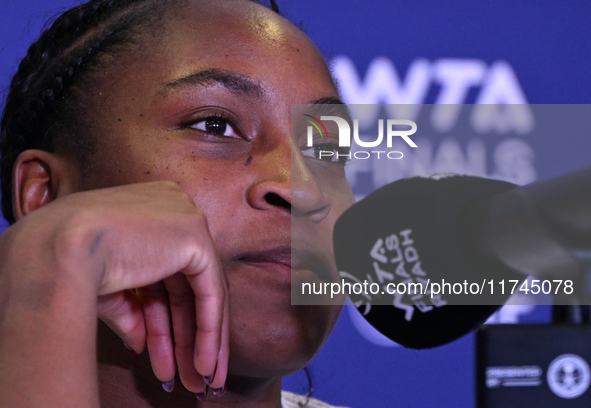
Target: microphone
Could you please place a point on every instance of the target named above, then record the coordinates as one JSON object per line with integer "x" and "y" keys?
{"x": 409, "y": 239}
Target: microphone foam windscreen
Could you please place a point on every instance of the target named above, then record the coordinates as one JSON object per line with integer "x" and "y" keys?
{"x": 409, "y": 237}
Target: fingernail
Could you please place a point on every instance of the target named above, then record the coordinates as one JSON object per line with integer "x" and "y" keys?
{"x": 202, "y": 396}
{"x": 168, "y": 385}
{"x": 218, "y": 392}
{"x": 209, "y": 379}
{"x": 131, "y": 351}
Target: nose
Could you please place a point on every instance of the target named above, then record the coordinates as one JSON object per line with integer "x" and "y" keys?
{"x": 284, "y": 182}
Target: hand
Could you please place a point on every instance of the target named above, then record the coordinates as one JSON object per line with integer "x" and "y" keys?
{"x": 154, "y": 230}
{"x": 149, "y": 236}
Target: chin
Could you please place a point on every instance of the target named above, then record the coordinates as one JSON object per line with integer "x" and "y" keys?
{"x": 268, "y": 342}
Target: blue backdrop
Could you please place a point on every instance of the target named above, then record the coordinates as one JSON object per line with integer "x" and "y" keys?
{"x": 523, "y": 51}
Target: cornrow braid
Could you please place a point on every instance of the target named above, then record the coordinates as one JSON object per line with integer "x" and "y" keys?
{"x": 274, "y": 6}
{"x": 40, "y": 99}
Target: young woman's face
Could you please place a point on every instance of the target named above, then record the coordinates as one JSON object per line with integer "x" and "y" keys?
{"x": 207, "y": 103}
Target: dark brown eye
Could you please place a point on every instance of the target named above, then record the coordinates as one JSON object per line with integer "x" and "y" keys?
{"x": 216, "y": 125}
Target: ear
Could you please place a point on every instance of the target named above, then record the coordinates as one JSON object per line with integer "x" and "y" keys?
{"x": 39, "y": 177}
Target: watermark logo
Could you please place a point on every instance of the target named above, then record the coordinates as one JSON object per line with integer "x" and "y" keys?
{"x": 394, "y": 128}
{"x": 316, "y": 123}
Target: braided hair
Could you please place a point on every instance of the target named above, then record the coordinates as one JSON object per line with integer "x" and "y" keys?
{"x": 43, "y": 106}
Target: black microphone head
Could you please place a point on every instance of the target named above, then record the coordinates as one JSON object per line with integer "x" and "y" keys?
{"x": 421, "y": 231}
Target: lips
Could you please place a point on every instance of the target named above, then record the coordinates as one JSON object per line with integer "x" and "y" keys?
{"x": 279, "y": 255}
{"x": 290, "y": 257}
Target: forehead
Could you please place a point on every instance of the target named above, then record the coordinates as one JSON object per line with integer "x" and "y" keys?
{"x": 210, "y": 22}
{"x": 245, "y": 37}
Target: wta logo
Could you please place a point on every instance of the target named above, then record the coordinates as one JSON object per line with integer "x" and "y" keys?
{"x": 393, "y": 129}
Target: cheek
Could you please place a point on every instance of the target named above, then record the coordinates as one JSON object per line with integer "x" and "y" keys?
{"x": 135, "y": 158}
{"x": 341, "y": 194}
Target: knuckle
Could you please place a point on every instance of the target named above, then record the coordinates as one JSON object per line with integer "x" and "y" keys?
{"x": 186, "y": 197}
{"x": 78, "y": 238}
{"x": 70, "y": 236}
{"x": 199, "y": 218}
{"x": 168, "y": 184}
{"x": 182, "y": 197}
{"x": 196, "y": 222}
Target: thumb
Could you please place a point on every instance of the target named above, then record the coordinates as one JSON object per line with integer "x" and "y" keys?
{"x": 122, "y": 312}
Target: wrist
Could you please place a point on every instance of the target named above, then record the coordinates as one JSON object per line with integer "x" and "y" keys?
{"x": 48, "y": 324}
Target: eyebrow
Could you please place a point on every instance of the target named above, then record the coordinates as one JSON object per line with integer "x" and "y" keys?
{"x": 327, "y": 101}
{"x": 330, "y": 106}
{"x": 233, "y": 82}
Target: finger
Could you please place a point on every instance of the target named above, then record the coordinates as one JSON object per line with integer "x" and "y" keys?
{"x": 123, "y": 313}
{"x": 209, "y": 284}
{"x": 154, "y": 300}
{"x": 218, "y": 384}
{"x": 182, "y": 308}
